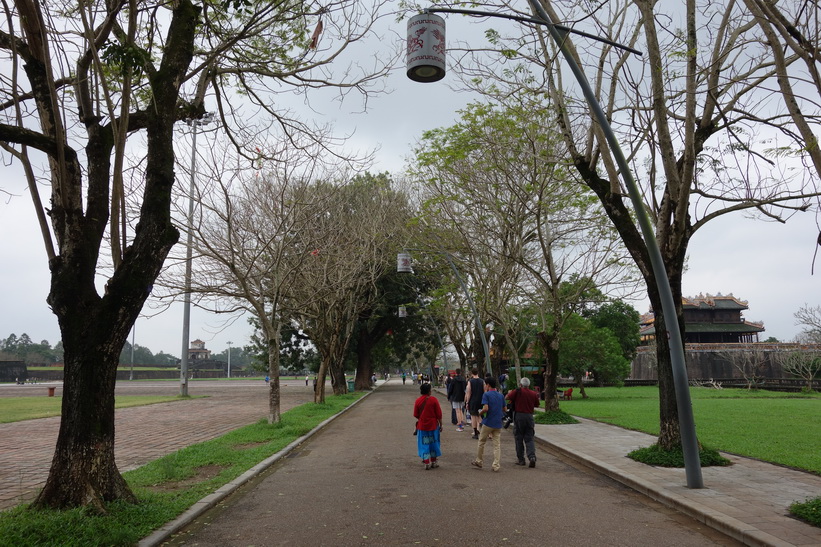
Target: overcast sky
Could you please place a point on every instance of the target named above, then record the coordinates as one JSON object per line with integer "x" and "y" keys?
{"x": 766, "y": 264}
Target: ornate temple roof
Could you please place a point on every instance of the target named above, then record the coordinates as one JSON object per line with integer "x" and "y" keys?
{"x": 706, "y": 302}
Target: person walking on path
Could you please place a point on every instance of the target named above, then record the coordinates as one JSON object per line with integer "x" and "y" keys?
{"x": 523, "y": 400}
{"x": 457, "y": 398}
{"x": 493, "y": 404}
{"x": 428, "y": 416}
{"x": 473, "y": 398}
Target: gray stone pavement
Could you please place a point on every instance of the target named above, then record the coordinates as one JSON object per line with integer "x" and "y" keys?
{"x": 359, "y": 482}
{"x": 748, "y": 500}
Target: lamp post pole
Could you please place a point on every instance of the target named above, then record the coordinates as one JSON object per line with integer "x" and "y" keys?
{"x": 186, "y": 311}
{"x": 133, "y": 335}
{"x": 229, "y": 359}
{"x": 427, "y": 65}
{"x": 442, "y": 344}
{"x": 404, "y": 266}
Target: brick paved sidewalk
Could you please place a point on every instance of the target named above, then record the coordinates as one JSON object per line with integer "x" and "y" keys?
{"x": 144, "y": 433}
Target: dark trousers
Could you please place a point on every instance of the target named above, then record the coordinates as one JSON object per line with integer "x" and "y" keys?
{"x": 523, "y": 432}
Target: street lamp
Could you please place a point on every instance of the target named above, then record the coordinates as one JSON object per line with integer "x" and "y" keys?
{"x": 229, "y": 359}
{"x": 441, "y": 344}
{"x": 186, "y": 313}
{"x": 133, "y": 335}
{"x": 432, "y": 34}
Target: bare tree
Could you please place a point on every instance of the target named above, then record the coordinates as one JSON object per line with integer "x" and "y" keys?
{"x": 85, "y": 83}
{"x": 809, "y": 317}
{"x": 352, "y": 243}
{"x": 805, "y": 363}
{"x": 791, "y": 31}
{"x": 802, "y": 364}
{"x": 749, "y": 362}
{"x": 246, "y": 236}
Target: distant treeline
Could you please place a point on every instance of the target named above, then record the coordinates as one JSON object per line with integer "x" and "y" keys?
{"x": 23, "y": 348}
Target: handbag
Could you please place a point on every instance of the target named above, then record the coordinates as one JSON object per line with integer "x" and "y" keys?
{"x": 421, "y": 408}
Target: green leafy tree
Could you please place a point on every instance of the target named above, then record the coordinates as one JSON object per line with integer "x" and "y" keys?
{"x": 296, "y": 351}
{"x": 381, "y": 317}
{"x": 522, "y": 228}
{"x": 10, "y": 344}
{"x": 585, "y": 348}
{"x": 622, "y": 320}
{"x": 142, "y": 355}
{"x": 24, "y": 349}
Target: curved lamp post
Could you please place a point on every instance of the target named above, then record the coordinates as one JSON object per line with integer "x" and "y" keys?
{"x": 403, "y": 265}
{"x": 403, "y": 312}
{"x": 425, "y": 27}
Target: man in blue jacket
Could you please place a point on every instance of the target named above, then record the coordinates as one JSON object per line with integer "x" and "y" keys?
{"x": 493, "y": 405}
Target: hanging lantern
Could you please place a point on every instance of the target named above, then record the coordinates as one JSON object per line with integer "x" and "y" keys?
{"x": 403, "y": 263}
{"x": 403, "y": 311}
{"x": 426, "y": 48}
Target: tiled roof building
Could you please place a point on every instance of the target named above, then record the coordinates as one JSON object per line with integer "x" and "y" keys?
{"x": 710, "y": 320}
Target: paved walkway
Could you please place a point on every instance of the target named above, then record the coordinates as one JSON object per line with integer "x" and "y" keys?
{"x": 362, "y": 477}
{"x": 748, "y": 500}
{"x": 360, "y": 482}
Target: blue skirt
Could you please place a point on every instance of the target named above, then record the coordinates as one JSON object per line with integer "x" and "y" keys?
{"x": 427, "y": 444}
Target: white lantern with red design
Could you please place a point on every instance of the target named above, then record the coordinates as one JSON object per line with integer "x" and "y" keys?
{"x": 426, "y": 48}
{"x": 403, "y": 263}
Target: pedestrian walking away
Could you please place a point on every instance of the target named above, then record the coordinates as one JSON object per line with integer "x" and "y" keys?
{"x": 473, "y": 399}
{"x": 493, "y": 404}
{"x": 523, "y": 401}
{"x": 428, "y": 416}
{"x": 458, "y": 386}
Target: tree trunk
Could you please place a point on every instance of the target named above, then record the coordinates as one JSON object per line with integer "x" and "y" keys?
{"x": 94, "y": 328}
{"x": 580, "y": 385}
{"x": 364, "y": 362}
{"x": 673, "y": 248}
{"x": 366, "y": 340}
{"x": 274, "y": 394}
{"x": 496, "y": 357}
{"x": 669, "y": 428}
{"x": 319, "y": 392}
{"x": 83, "y": 471}
{"x": 338, "y": 381}
{"x": 551, "y": 354}
{"x": 479, "y": 353}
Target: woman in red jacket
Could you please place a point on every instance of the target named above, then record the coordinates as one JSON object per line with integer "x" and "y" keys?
{"x": 428, "y": 416}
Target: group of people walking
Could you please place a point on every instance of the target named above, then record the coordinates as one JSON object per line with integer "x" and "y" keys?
{"x": 487, "y": 408}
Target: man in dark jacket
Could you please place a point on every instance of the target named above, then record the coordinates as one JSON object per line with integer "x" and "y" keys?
{"x": 473, "y": 399}
{"x": 523, "y": 401}
{"x": 457, "y": 398}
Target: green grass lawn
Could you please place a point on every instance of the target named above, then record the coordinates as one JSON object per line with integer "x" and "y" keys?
{"x": 15, "y": 409}
{"x": 782, "y": 428}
